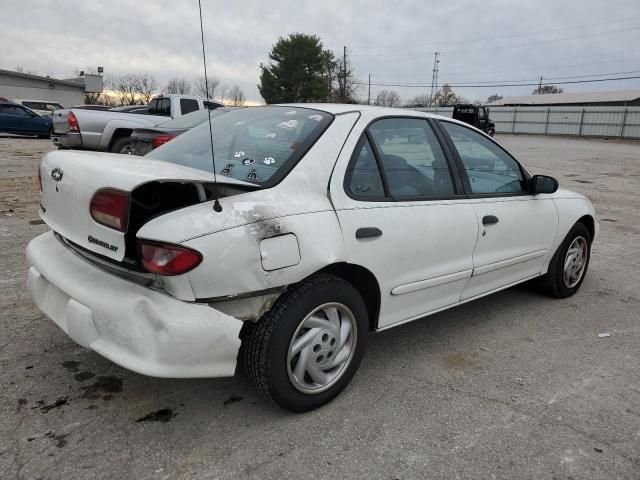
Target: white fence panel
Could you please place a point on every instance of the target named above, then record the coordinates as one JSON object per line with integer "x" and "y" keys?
{"x": 616, "y": 122}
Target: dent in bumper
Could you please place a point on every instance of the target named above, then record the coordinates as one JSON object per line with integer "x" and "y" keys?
{"x": 140, "y": 329}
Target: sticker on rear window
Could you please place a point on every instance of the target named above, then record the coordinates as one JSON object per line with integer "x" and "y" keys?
{"x": 270, "y": 135}
{"x": 269, "y": 160}
{"x": 288, "y": 125}
{"x": 248, "y": 161}
{"x": 315, "y": 117}
{"x": 239, "y": 154}
{"x": 228, "y": 169}
{"x": 253, "y": 174}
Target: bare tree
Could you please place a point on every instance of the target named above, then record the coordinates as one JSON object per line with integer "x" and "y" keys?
{"x": 445, "y": 96}
{"x": 388, "y": 98}
{"x": 543, "y": 89}
{"x": 339, "y": 77}
{"x": 125, "y": 87}
{"x": 494, "y": 98}
{"x": 419, "y": 101}
{"x": 236, "y": 96}
{"x": 223, "y": 93}
{"x": 200, "y": 87}
{"x": 178, "y": 85}
{"x": 146, "y": 85}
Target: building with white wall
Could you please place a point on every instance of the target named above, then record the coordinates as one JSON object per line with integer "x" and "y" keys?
{"x": 35, "y": 87}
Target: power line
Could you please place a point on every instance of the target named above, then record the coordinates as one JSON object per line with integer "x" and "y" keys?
{"x": 390, "y": 57}
{"x": 503, "y": 37}
{"x": 424, "y": 85}
{"x": 548, "y": 79}
{"x": 532, "y": 69}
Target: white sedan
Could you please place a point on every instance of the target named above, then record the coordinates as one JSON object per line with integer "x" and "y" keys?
{"x": 332, "y": 221}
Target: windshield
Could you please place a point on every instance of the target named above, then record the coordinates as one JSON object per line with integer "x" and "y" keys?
{"x": 193, "y": 119}
{"x": 257, "y": 145}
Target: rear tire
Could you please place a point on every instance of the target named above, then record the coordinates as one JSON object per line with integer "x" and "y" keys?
{"x": 121, "y": 145}
{"x": 569, "y": 264}
{"x": 322, "y": 323}
{"x": 491, "y": 132}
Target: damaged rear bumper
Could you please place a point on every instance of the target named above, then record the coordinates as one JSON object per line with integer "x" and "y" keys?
{"x": 140, "y": 329}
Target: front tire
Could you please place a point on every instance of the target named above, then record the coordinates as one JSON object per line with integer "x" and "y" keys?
{"x": 305, "y": 350}
{"x": 569, "y": 265}
{"x": 491, "y": 132}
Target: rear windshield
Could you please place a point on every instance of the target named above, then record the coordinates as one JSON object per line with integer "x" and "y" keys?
{"x": 192, "y": 119}
{"x": 258, "y": 144}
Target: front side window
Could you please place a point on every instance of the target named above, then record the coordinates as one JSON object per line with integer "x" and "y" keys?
{"x": 489, "y": 168}
{"x": 413, "y": 161}
{"x": 363, "y": 175}
{"x": 258, "y": 145}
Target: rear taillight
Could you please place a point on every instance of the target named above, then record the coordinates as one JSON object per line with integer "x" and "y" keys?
{"x": 110, "y": 207}
{"x": 161, "y": 140}
{"x": 72, "y": 121}
{"x": 167, "y": 258}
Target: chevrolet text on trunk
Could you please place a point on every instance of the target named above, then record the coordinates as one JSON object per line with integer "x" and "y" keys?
{"x": 335, "y": 221}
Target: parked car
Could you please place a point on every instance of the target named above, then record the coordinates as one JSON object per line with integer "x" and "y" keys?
{"x": 41, "y": 107}
{"x": 110, "y": 131}
{"x": 143, "y": 140}
{"x": 330, "y": 224}
{"x": 475, "y": 115}
{"x": 18, "y": 119}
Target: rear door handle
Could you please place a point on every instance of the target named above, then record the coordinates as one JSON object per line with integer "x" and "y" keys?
{"x": 368, "y": 232}
{"x": 489, "y": 220}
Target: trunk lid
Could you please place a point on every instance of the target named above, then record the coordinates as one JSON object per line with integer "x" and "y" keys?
{"x": 60, "y": 125}
{"x": 71, "y": 178}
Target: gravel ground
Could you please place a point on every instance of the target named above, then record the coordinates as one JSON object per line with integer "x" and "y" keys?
{"x": 513, "y": 386}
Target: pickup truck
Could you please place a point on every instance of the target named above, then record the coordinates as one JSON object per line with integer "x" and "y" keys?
{"x": 110, "y": 130}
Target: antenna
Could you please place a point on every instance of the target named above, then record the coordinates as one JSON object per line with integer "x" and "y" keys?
{"x": 216, "y": 204}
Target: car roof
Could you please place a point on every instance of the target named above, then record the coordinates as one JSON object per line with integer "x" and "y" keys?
{"x": 340, "y": 108}
{"x": 34, "y": 100}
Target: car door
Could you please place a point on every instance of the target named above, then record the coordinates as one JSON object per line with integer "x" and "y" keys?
{"x": 403, "y": 218}
{"x": 517, "y": 229}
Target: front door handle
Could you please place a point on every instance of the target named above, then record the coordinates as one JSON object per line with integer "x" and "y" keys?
{"x": 368, "y": 232}
{"x": 489, "y": 220}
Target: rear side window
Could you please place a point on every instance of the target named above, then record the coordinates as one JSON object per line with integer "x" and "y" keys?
{"x": 160, "y": 106}
{"x": 363, "y": 175}
{"x": 188, "y": 105}
{"x": 413, "y": 161}
{"x": 35, "y": 105}
{"x": 15, "y": 110}
{"x": 489, "y": 168}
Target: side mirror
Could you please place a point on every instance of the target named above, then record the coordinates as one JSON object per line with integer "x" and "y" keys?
{"x": 543, "y": 184}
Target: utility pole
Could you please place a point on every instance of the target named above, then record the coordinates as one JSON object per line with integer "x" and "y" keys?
{"x": 344, "y": 75}
{"x": 369, "y": 95}
{"x": 540, "y": 84}
{"x": 434, "y": 77}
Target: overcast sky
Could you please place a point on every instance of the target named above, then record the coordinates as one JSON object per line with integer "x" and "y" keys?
{"x": 501, "y": 40}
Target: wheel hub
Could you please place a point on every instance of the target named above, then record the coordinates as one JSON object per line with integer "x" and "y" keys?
{"x": 323, "y": 347}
